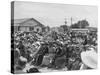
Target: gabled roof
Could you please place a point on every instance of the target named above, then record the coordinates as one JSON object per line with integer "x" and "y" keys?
{"x": 19, "y": 21}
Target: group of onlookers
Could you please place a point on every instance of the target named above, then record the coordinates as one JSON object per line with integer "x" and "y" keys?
{"x": 53, "y": 50}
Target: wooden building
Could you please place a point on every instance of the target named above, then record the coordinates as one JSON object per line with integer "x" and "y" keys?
{"x": 27, "y": 25}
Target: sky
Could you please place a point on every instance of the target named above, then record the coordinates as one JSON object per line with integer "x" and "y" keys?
{"x": 51, "y": 14}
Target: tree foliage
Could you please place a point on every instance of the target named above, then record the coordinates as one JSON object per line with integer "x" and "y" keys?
{"x": 80, "y": 24}
{"x": 65, "y": 27}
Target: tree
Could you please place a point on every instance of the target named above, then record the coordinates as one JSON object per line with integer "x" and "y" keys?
{"x": 54, "y": 35}
{"x": 83, "y": 24}
{"x": 65, "y": 27}
{"x": 74, "y": 25}
{"x": 80, "y": 24}
{"x": 47, "y": 28}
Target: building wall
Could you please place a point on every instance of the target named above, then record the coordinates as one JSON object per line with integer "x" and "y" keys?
{"x": 80, "y": 30}
{"x": 38, "y": 29}
{"x": 29, "y": 25}
{"x": 15, "y": 28}
{"x": 24, "y": 28}
{"x": 30, "y": 28}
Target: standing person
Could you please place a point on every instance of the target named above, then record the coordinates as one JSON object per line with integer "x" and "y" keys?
{"x": 40, "y": 54}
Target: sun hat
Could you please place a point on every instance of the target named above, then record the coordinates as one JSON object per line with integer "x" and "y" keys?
{"x": 23, "y": 58}
{"x": 89, "y": 58}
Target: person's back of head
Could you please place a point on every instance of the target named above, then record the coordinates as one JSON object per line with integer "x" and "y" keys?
{"x": 33, "y": 70}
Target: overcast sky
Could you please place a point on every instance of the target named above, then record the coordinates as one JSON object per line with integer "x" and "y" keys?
{"x": 54, "y": 14}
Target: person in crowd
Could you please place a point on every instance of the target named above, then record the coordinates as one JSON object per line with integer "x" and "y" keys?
{"x": 89, "y": 59}
{"x": 33, "y": 70}
{"x": 69, "y": 49}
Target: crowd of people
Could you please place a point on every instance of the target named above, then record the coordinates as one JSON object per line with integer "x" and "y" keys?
{"x": 34, "y": 51}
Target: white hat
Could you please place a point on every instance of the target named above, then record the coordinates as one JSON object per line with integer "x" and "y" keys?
{"x": 23, "y": 58}
{"x": 89, "y": 58}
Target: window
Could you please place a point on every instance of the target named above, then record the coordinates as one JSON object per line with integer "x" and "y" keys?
{"x": 31, "y": 28}
{"x": 37, "y": 29}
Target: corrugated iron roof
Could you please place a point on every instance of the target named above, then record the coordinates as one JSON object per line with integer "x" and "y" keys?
{"x": 19, "y": 21}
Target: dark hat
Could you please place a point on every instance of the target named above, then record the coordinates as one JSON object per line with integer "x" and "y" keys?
{"x": 33, "y": 70}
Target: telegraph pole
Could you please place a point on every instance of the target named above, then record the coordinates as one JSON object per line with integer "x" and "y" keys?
{"x": 71, "y": 20}
{"x": 65, "y": 21}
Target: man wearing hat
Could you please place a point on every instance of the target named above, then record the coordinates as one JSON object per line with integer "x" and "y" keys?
{"x": 89, "y": 59}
